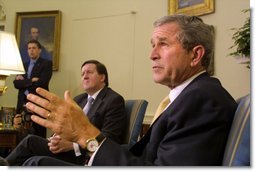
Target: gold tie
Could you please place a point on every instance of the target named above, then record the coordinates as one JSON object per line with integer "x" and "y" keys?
{"x": 163, "y": 104}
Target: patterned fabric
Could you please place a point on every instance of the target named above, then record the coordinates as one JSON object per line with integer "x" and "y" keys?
{"x": 163, "y": 104}
{"x": 88, "y": 105}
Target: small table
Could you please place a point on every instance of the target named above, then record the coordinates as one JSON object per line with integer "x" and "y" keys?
{"x": 8, "y": 138}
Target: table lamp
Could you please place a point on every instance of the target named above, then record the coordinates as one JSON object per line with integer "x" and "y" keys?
{"x": 10, "y": 59}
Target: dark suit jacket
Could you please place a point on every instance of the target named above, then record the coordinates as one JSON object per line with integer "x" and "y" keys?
{"x": 107, "y": 113}
{"x": 43, "y": 70}
{"x": 192, "y": 131}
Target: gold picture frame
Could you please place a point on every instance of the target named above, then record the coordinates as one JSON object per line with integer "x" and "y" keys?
{"x": 47, "y": 24}
{"x": 191, "y": 7}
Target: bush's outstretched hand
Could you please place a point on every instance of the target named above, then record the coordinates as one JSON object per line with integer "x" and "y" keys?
{"x": 63, "y": 117}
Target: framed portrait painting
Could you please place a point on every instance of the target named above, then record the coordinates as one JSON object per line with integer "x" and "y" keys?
{"x": 191, "y": 7}
{"x": 43, "y": 26}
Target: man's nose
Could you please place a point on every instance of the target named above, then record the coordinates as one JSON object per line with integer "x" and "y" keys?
{"x": 154, "y": 54}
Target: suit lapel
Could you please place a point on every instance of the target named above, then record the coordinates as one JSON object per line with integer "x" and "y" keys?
{"x": 26, "y": 68}
{"x": 83, "y": 102}
{"x": 36, "y": 66}
{"x": 94, "y": 108}
{"x": 97, "y": 103}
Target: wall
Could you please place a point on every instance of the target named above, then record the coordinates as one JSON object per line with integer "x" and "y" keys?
{"x": 117, "y": 32}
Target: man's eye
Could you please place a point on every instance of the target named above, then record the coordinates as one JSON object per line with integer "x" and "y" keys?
{"x": 162, "y": 43}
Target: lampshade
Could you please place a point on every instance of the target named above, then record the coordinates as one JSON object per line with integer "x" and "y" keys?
{"x": 10, "y": 59}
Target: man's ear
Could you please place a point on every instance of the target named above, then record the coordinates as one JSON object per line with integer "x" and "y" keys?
{"x": 198, "y": 54}
{"x": 102, "y": 78}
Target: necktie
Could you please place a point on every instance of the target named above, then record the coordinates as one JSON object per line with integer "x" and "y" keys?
{"x": 88, "y": 105}
{"x": 29, "y": 70}
{"x": 163, "y": 104}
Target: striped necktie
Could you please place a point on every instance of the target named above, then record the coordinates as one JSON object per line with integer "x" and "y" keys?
{"x": 163, "y": 104}
{"x": 88, "y": 105}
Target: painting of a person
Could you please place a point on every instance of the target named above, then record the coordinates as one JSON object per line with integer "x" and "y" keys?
{"x": 34, "y": 33}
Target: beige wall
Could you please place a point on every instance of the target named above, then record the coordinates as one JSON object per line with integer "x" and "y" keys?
{"x": 107, "y": 30}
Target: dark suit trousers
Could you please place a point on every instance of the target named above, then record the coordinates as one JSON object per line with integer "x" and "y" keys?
{"x": 46, "y": 161}
{"x": 33, "y": 145}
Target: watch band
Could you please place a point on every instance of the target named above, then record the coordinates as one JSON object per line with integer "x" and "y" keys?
{"x": 100, "y": 138}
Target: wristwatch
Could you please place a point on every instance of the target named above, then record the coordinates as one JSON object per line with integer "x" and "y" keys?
{"x": 92, "y": 144}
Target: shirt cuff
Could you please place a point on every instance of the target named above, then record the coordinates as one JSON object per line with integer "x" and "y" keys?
{"x": 76, "y": 149}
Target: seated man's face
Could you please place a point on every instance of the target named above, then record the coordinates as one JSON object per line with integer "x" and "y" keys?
{"x": 91, "y": 80}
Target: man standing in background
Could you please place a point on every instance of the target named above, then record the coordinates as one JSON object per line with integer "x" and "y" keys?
{"x": 38, "y": 74}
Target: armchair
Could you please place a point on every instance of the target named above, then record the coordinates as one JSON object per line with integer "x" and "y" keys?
{"x": 135, "y": 110}
{"x": 237, "y": 152}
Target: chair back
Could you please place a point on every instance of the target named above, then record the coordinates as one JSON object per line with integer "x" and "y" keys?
{"x": 135, "y": 110}
{"x": 237, "y": 152}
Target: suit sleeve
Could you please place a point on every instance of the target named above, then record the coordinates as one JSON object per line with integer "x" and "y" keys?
{"x": 44, "y": 76}
{"x": 22, "y": 84}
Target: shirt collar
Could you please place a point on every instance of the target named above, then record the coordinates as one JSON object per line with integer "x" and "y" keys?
{"x": 33, "y": 61}
{"x": 95, "y": 94}
{"x": 174, "y": 93}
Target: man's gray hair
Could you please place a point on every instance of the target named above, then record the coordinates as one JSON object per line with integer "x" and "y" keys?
{"x": 193, "y": 32}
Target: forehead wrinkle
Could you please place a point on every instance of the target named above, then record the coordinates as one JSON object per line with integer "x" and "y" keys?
{"x": 159, "y": 38}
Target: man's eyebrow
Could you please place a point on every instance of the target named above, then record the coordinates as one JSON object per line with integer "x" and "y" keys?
{"x": 160, "y": 39}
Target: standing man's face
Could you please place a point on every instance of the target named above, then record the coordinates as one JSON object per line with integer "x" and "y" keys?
{"x": 34, "y": 33}
{"x": 33, "y": 51}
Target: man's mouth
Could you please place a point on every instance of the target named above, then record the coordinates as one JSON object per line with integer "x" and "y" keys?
{"x": 156, "y": 67}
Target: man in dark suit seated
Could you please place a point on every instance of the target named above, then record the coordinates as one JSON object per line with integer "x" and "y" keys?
{"x": 191, "y": 130}
{"x": 107, "y": 113}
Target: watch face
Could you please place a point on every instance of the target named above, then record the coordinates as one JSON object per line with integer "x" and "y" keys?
{"x": 92, "y": 145}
